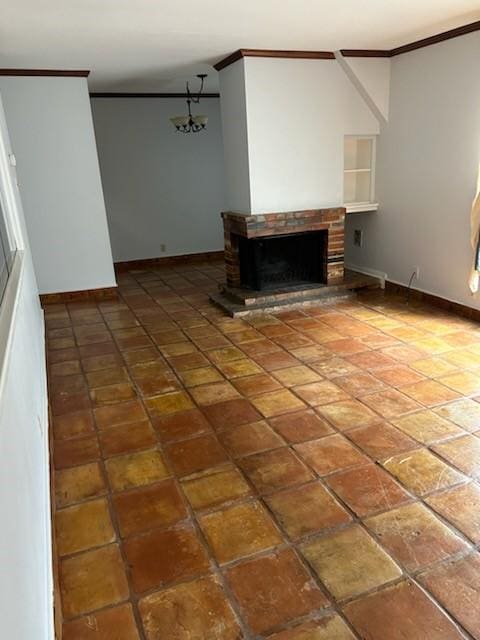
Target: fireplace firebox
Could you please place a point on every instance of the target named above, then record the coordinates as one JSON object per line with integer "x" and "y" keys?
{"x": 283, "y": 261}
{"x": 302, "y": 247}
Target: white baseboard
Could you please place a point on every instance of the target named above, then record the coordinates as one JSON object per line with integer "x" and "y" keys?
{"x": 382, "y": 276}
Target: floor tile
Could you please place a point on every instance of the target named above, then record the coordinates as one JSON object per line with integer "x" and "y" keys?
{"x": 293, "y": 376}
{"x": 433, "y": 367}
{"x": 159, "y": 384}
{"x": 216, "y": 392}
{"x": 431, "y": 344}
{"x": 320, "y": 393}
{"x": 461, "y": 507}
{"x": 168, "y": 403}
{"x": 463, "y": 453}
{"x": 427, "y": 427}
{"x": 390, "y": 404}
{"x": 117, "y": 414}
{"x": 256, "y": 384}
{"x": 112, "y": 394}
{"x": 429, "y": 393}
{"x": 329, "y": 454}
{"x": 414, "y": 536}
{"x": 72, "y": 425}
{"x": 159, "y": 557}
{"x": 239, "y": 531}
{"x": 405, "y": 611}
{"x": 100, "y": 363}
{"x": 68, "y": 368}
{"x": 250, "y": 438}
{"x": 463, "y": 358}
{"x": 203, "y": 375}
{"x": 181, "y": 425}
{"x": 177, "y": 349}
{"x": 275, "y": 469}
{"x": 136, "y": 469}
{"x": 456, "y": 585}
{"x": 62, "y": 403}
{"x": 347, "y": 346}
{"x": 367, "y": 490}
{"x": 422, "y": 472}
{"x": 189, "y": 361}
{"x": 104, "y": 377}
{"x": 348, "y": 414}
{"x": 311, "y": 355}
{"x": 239, "y": 368}
{"x": 232, "y": 413}
{"x": 227, "y": 354}
{"x": 465, "y": 413}
{"x": 117, "y": 622}
{"x": 83, "y": 526}
{"x": 302, "y": 426}
{"x": 92, "y": 580}
{"x": 334, "y": 367}
{"x": 197, "y": 609}
{"x": 214, "y": 487}
{"x": 398, "y": 375}
{"x": 360, "y": 383}
{"x": 464, "y": 382}
{"x": 78, "y": 483}
{"x": 371, "y": 360}
{"x": 350, "y": 562}
{"x": 381, "y": 440}
{"x": 307, "y": 509}
{"x": 68, "y": 453}
{"x": 275, "y": 360}
{"x": 127, "y": 438}
{"x": 404, "y": 353}
{"x": 195, "y": 454}
{"x": 155, "y": 506}
{"x": 274, "y": 589}
{"x": 277, "y": 403}
{"x": 325, "y": 628}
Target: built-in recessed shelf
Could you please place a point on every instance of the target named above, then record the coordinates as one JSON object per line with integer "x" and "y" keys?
{"x": 361, "y": 207}
{"x": 359, "y": 174}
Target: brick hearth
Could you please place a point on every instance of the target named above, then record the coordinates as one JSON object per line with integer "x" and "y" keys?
{"x": 274, "y": 224}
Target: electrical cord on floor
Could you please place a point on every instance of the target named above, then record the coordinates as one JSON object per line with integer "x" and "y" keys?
{"x": 409, "y": 286}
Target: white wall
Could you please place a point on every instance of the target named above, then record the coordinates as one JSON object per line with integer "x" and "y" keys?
{"x": 298, "y": 112}
{"x": 371, "y": 76}
{"x": 26, "y": 603}
{"x": 427, "y": 166}
{"x": 51, "y": 130}
{"x": 161, "y": 186}
{"x": 235, "y": 137}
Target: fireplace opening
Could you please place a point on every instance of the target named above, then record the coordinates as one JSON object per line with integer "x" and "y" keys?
{"x": 283, "y": 261}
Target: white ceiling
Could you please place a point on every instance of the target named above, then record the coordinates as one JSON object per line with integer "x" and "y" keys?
{"x": 155, "y": 45}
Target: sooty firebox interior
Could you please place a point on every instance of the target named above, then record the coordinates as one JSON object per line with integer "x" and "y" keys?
{"x": 283, "y": 260}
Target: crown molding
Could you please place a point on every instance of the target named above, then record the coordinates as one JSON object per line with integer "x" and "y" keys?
{"x": 61, "y": 73}
{"x": 350, "y": 53}
{"x": 147, "y": 95}
{"x": 439, "y": 37}
{"x": 365, "y": 53}
{"x": 273, "y": 53}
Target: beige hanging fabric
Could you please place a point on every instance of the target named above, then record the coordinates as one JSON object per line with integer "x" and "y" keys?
{"x": 474, "y": 280}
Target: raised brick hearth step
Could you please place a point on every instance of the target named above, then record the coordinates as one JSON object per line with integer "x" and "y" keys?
{"x": 242, "y": 302}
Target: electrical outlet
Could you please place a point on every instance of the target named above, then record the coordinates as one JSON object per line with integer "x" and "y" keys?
{"x": 358, "y": 237}
{"x": 416, "y": 271}
{"x": 163, "y": 248}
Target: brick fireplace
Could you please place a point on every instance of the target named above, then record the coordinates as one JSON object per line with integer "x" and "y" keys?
{"x": 301, "y": 228}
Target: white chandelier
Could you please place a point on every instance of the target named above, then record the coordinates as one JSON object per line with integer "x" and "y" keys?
{"x": 189, "y": 123}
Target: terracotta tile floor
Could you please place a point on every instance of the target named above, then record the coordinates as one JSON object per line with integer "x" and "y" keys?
{"x": 309, "y": 475}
